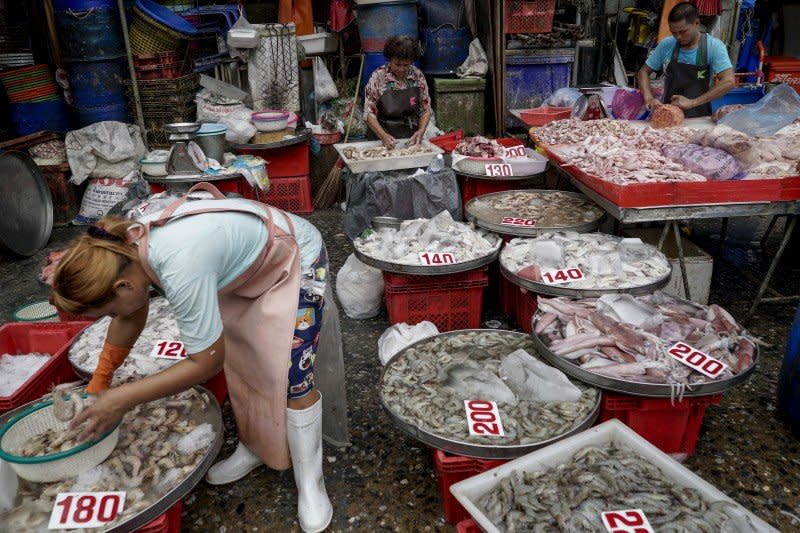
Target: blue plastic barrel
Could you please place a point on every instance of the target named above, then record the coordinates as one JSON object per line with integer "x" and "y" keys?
{"x": 532, "y": 76}
{"x": 30, "y": 117}
{"x": 372, "y": 62}
{"x": 444, "y": 49}
{"x": 97, "y": 83}
{"x": 90, "y": 35}
{"x": 739, "y": 95}
{"x": 434, "y": 13}
{"x": 82, "y": 5}
{"x": 789, "y": 379}
{"x": 86, "y": 115}
{"x": 378, "y": 22}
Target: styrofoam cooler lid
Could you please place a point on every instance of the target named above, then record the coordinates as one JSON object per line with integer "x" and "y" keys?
{"x": 25, "y": 203}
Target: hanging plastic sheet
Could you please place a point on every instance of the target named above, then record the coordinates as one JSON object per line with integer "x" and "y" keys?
{"x": 341, "y": 14}
{"x": 779, "y": 108}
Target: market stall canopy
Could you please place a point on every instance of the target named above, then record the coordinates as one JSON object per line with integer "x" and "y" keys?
{"x": 25, "y": 204}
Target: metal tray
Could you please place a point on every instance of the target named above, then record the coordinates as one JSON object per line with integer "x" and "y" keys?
{"x": 175, "y": 179}
{"x": 429, "y": 270}
{"x": 560, "y": 290}
{"x": 498, "y": 178}
{"x": 301, "y": 135}
{"x": 25, "y": 203}
{"x": 481, "y": 451}
{"x": 523, "y": 231}
{"x": 213, "y": 416}
{"x": 653, "y": 390}
{"x": 387, "y": 163}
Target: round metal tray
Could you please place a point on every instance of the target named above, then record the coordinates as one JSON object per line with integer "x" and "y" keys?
{"x": 481, "y": 451}
{"x": 635, "y": 388}
{"x": 189, "y": 178}
{"x": 25, "y": 203}
{"x": 213, "y": 416}
{"x": 497, "y": 178}
{"x": 429, "y": 270}
{"x": 519, "y": 231}
{"x": 560, "y": 290}
{"x": 300, "y": 135}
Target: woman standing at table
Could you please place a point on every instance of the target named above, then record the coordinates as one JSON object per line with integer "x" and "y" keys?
{"x": 397, "y": 103}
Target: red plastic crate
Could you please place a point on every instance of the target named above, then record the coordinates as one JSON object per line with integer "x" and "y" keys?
{"x": 453, "y": 301}
{"x": 508, "y": 297}
{"x": 529, "y": 16}
{"x": 218, "y": 386}
{"x": 783, "y": 70}
{"x": 238, "y": 185}
{"x": 671, "y": 428}
{"x": 44, "y": 337}
{"x": 168, "y": 71}
{"x": 452, "y": 469}
{"x": 508, "y": 142}
{"x": 525, "y": 305}
{"x": 284, "y": 162}
{"x": 290, "y": 194}
{"x": 468, "y": 526}
{"x": 169, "y": 522}
{"x": 448, "y": 141}
{"x": 155, "y": 59}
{"x": 539, "y": 116}
{"x": 790, "y": 188}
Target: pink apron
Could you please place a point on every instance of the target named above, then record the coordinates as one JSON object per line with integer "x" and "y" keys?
{"x": 258, "y": 311}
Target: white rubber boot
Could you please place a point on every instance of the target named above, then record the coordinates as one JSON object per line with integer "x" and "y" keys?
{"x": 235, "y": 467}
{"x": 304, "y": 429}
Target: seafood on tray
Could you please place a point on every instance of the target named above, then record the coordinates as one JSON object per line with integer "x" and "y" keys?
{"x": 438, "y": 234}
{"x": 160, "y": 444}
{"x": 571, "y": 496}
{"x": 480, "y": 147}
{"x": 161, "y": 325}
{"x": 606, "y": 261}
{"x": 426, "y": 386}
{"x": 628, "y": 338}
{"x": 632, "y": 134}
{"x": 551, "y": 209}
{"x": 353, "y": 153}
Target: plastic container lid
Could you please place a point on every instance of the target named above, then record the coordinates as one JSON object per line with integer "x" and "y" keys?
{"x": 211, "y": 129}
{"x": 42, "y": 311}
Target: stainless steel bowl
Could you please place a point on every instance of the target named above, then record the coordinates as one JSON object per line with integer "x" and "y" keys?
{"x": 182, "y": 127}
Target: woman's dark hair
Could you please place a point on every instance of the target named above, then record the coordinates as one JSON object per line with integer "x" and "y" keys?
{"x": 683, "y": 11}
{"x": 401, "y": 47}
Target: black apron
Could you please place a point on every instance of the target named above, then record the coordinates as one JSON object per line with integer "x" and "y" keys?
{"x": 689, "y": 80}
{"x": 398, "y": 112}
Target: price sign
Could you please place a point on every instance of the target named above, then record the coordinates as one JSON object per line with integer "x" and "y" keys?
{"x": 697, "y": 360}
{"x": 168, "y": 350}
{"x": 143, "y": 208}
{"x": 483, "y": 418}
{"x": 437, "y": 258}
{"x": 499, "y": 169}
{"x": 516, "y": 151}
{"x": 565, "y": 275}
{"x": 628, "y": 521}
{"x": 74, "y": 510}
{"x": 524, "y": 222}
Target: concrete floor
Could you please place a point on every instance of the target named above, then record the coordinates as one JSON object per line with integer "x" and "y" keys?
{"x": 385, "y": 480}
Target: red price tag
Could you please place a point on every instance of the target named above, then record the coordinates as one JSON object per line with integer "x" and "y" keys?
{"x": 565, "y": 275}
{"x": 627, "y": 521}
{"x": 697, "y": 360}
{"x": 437, "y": 258}
{"x": 483, "y": 418}
{"x": 74, "y": 510}
{"x": 499, "y": 169}
{"x": 516, "y": 151}
{"x": 168, "y": 350}
{"x": 524, "y": 222}
{"x": 143, "y": 208}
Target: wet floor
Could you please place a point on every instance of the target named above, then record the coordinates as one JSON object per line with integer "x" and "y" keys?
{"x": 384, "y": 481}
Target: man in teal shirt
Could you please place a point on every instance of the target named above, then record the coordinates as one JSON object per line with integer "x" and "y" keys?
{"x": 689, "y": 59}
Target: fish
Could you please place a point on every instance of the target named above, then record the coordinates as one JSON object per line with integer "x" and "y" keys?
{"x": 425, "y": 386}
{"x": 606, "y": 261}
{"x": 550, "y": 209}
{"x": 572, "y": 495}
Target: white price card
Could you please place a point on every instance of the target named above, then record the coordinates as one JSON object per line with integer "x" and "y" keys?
{"x": 143, "y": 208}
{"x": 523, "y": 222}
{"x": 499, "y": 169}
{"x": 483, "y": 418}
{"x": 437, "y": 258}
{"x": 627, "y": 521}
{"x": 697, "y": 360}
{"x": 165, "y": 349}
{"x": 565, "y": 275}
{"x": 74, "y": 510}
{"x": 516, "y": 151}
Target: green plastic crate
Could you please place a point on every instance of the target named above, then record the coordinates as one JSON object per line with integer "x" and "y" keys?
{"x": 460, "y": 103}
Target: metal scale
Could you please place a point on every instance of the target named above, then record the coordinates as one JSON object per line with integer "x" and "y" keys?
{"x": 180, "y": 160}
{"x": 590, "y": 104}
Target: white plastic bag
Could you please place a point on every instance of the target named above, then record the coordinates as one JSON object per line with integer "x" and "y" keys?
{"x": 397, "y": 337}
{"x": 324, "y": 87}
{"x": 359, "y": 288}
{"x": 531, "y": 379}
{"x": 476, "y": 64}
{"x": 240, "y": 129}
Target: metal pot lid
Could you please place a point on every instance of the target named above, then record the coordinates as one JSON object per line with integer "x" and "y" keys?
{"x": 26, "y": 205}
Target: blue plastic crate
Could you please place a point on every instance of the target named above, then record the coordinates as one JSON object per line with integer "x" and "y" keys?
{"x": 532, "y": 76}
{"x": 739, "y": 95}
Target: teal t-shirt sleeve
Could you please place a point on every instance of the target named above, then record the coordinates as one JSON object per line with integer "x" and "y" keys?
{"x": 194, "y": 302}
{"x": 718, "y": 56}
{"x": 660, "y": 53}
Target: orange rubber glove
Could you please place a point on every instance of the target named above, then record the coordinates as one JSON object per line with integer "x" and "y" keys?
{"x": 110, "y": 359}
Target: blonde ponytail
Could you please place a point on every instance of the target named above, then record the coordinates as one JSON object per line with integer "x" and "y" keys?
{"x": 85, "y": 276}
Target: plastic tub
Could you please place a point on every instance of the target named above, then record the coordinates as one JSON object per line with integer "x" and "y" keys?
{"x": 739, "y": 95}
{"x": 30, "y": 117}
{"x": 270, "y": 120}
{"x": 444, "y": 48}
{"x": 539, "y": 116}
{"x": 211, "y": 138}
{"x": 90, "y": 114}
{"x": 90, "y": 33}
{"x": 532, "y": 76}
{"x": 534, "y": 163}
{"x": 378, "y": 21}
{"x": 435, "y": 13}
{"x": 154, "y": 168}
{"x": 98, "y": 83}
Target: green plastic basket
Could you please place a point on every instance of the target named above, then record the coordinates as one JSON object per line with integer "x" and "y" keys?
{"x": 42, "y": 311}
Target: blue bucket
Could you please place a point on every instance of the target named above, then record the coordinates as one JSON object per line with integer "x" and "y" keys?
{"x": 435, "y": 13}
{"x": 83, "y": 5}
{"x": 90, "y": 35}
{"x": 532, "y": 76}
{"x": 30, "y": 117}
{"x": 378, "y": 22}
{"x": 97, "y": 83}
{"x": 444, "y": 49}
{"x": 86, "y": 115}
{"x": 372, "y": 62}
{"x": 789, "y": 379}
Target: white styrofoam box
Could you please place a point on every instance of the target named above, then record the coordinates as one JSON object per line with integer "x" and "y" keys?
{"x": 319, "y": 43}
{"x": 469, "y": 491}
{"x": 699, "y": 264}
{"x": 387, "y": 163}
